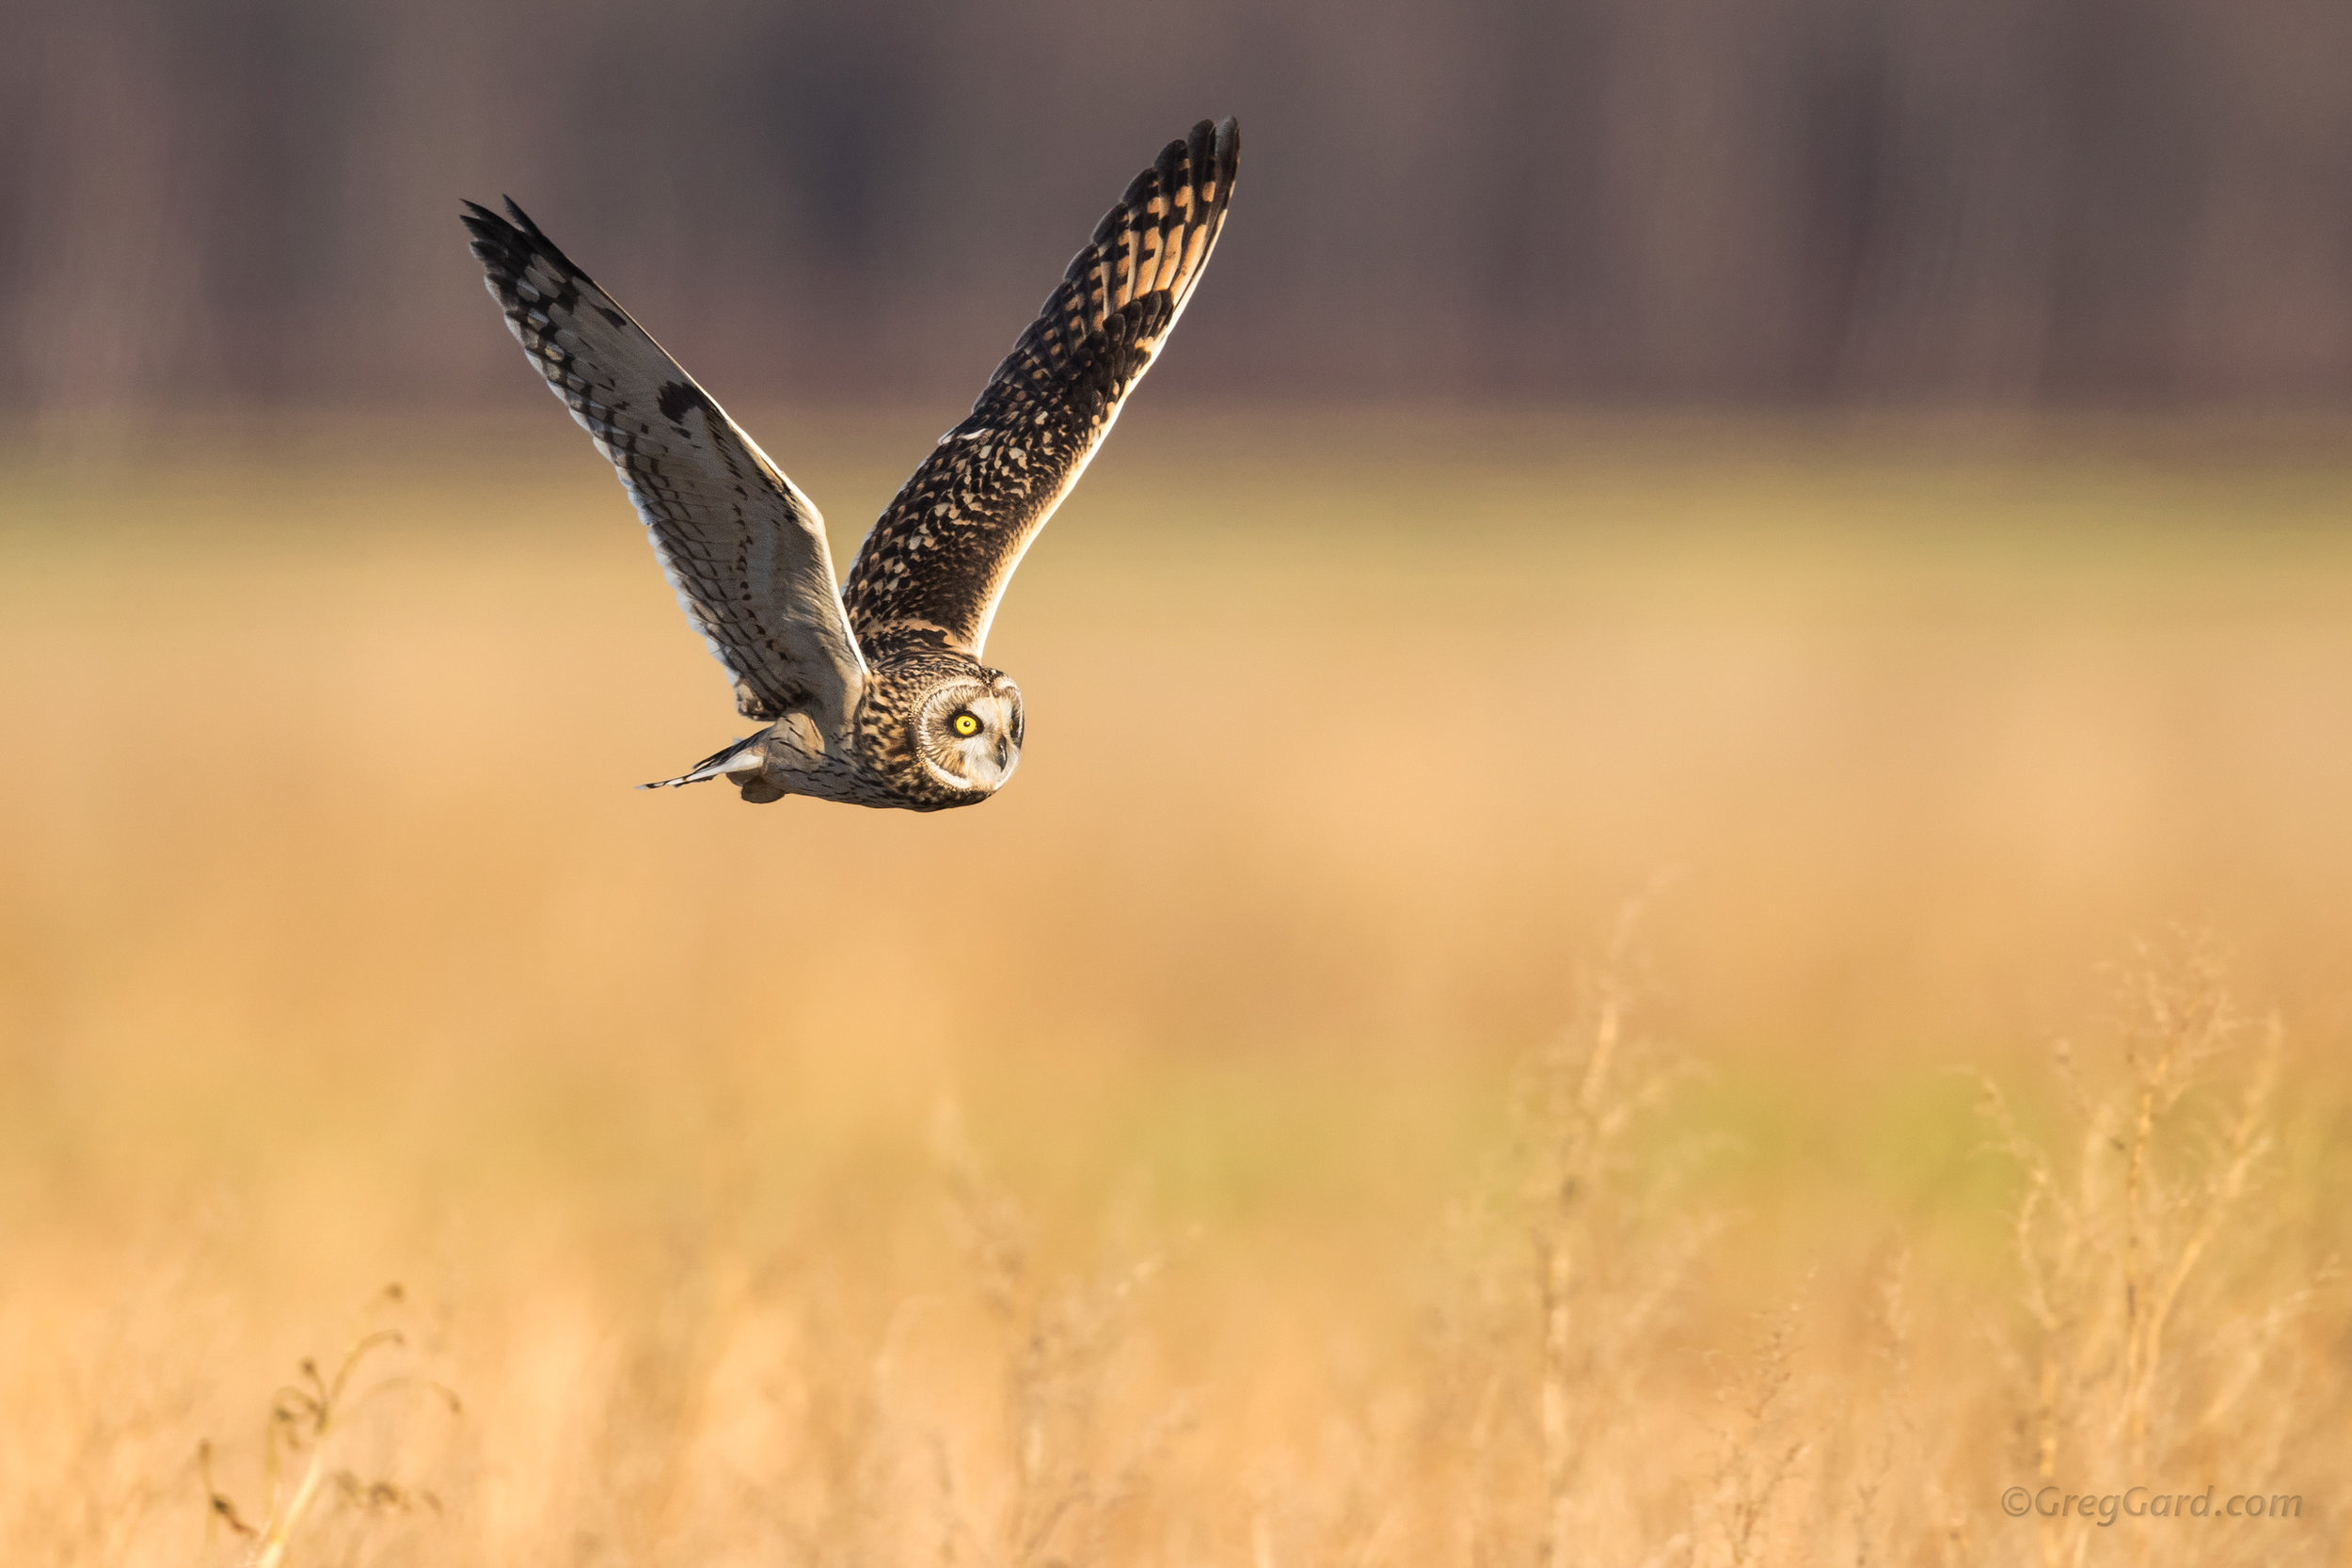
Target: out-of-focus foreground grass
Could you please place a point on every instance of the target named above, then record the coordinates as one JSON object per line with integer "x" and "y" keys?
{"x": 1237, "y": 1143}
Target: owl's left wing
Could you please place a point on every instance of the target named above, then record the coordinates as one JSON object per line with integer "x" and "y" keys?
{"x": 740, "y": 544}
{"x": 934, "y": 566}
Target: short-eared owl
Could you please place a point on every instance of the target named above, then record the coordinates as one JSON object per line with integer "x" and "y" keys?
{"x": 874, "y": 691}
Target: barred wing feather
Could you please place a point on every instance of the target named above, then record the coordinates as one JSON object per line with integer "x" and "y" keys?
{"x": 745, "y": 549}
{"x": 934, "y": 567}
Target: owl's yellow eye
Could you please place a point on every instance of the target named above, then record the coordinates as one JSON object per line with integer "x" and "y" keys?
{"x": 963, "y": 723}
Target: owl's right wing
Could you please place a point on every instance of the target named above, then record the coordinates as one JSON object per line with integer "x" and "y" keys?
{"x": 745, "y": 549}
{"x": 934, "y": 567}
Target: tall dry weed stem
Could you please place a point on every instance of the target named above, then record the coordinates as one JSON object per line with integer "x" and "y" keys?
{"x": 2158, "y": 1289}
{"x": 1760, "y": 1453}
{"x": 305, "y": 1419}
{"x": 1581, "y": 1260}
{"x": 1068, "y": 1477}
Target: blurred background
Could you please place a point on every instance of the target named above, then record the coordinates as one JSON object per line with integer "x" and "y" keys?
{"x": 1713, "y": 201}
{"x": 1869, "y": 483}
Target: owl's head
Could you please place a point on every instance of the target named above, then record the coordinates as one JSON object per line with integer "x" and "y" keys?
{"x": 967, "y": 732}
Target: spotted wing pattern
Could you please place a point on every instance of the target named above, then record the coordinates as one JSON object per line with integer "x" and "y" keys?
{"x": 745, "y": 549}
{"x": 931, "y": 571}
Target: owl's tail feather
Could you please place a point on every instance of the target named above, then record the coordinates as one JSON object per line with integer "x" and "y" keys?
{"x": 743, "y": 757}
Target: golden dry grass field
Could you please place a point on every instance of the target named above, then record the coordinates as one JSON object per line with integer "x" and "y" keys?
{"x": 1547, "y": 994}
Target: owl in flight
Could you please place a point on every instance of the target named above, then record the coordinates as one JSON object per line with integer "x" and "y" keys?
{"x": 873, "y": 691}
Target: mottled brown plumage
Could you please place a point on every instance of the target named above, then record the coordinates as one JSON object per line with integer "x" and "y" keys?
{"x": 876, "y": 690}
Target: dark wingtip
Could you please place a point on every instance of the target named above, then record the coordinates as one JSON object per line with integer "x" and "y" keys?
{"x": 485, "y": 226}
{"x": 501, "y": 252}
{"x": 513, "y": 239}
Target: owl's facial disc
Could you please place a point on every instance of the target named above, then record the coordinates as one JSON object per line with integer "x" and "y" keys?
{"x": 968, "y": 733}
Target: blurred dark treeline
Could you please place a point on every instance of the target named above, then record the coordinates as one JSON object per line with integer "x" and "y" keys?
{"x": 1725, "y": 201}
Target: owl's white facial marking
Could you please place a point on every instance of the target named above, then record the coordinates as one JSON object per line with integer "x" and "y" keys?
{"x": 969, "y": 734}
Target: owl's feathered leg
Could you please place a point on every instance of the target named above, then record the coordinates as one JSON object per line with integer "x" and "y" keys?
{"x": 746, "y": 755}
